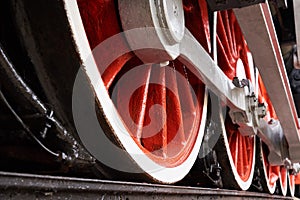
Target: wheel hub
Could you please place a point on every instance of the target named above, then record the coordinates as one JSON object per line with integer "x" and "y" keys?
{"x": 158, "y": 24}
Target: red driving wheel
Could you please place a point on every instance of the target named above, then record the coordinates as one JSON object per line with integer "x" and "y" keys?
{"x": 235, "y": 60}
{"x": 270, "y": 174}
{"x": 161, "y": 105}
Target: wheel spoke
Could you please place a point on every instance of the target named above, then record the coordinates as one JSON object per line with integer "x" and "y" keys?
{"x": 225, "y": 35}
{"x": 242, "y": 156}
{"x": 143, "y": 96}
{"x": 233, "y": 60}
{"x": 112, "y": 71}
{"x": 283, "y": 181}
{"x": 188, "y": 103}
{"x": 236, "y": 150}
{"x": 247, "y": 158}
{"x": 229, "y": 35}
{"x": 273, "y": 174}
{"x": 154, "y": 136}
{"x": 133, "y": 110}
{"x": 176, "y": 137}
{"x": 291, "y": 180}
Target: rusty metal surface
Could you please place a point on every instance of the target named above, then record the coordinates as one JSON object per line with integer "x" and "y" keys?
{"x": 26, "y": 186}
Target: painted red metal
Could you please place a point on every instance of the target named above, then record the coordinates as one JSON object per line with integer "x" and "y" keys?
{"x": 263, "y": 97}
{"x": 100, "y": 20}
{"x": 196, "y": 16}
{"x": 272, "y": 171}
{"x": 241, "y": 149}
{"x": 262, "y": 40}
{"x": 283, "y": 179}
{"x": 164, "y": 111}
{"x": 231, "y": 44}
{"x": 297, "y": 179}
{"x": 231, "y": 47}
{"x": 164, "y": 114}
{"x": 292, "y": 180}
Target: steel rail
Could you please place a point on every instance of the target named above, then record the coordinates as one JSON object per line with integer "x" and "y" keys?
{"x": 29, "y": 186}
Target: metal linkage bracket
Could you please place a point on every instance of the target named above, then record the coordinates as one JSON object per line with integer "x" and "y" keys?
{"x": 248, "y": 120}
{"x": 237, "y": 94}
{"x": 265, "y": 49}
{"x": 271, "y": 133}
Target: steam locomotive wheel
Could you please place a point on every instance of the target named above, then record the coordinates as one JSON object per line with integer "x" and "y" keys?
{"x": 162, "y": 107}
{"x": 270, "y": 173}
{"x": 235, "y": 60}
